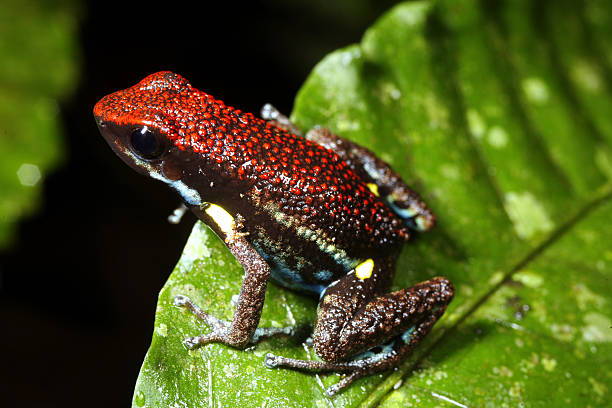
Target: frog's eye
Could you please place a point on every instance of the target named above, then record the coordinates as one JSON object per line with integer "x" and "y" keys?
{"x": 147, "y": 144}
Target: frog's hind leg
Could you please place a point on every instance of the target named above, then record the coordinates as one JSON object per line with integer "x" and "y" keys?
{"x": 387, "y": 183}
{"x": 381, "y": 358}
{"x": 354, "y": 317}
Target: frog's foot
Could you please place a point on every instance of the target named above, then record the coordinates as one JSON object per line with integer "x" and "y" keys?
{"x": 222, "y": 329}
{"x": 218, "y": 326}
{"x": 367, "y": 363}
{"x": 272, "y": 115}
{"x": 355, "y": 369}
{"x": 177, "y": 214}
{"x": 349, "y": 322}
{"x": 378, "y": 359}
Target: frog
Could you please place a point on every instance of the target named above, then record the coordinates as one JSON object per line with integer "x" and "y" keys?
{"x": 314, "y": 212}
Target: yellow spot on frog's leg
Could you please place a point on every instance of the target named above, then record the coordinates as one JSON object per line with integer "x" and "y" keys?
{"x": 373, "y": 188}
{"x": 364, "y": 269}
{"x": 221, "y": 217}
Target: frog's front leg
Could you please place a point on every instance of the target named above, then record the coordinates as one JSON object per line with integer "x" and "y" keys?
{"x": 242, "y": 330}
{"x": 354, "y": 316}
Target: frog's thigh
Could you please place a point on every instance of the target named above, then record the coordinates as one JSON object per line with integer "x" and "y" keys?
{"x": 353, "y": 318}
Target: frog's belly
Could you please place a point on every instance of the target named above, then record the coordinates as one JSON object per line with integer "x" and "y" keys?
{"x": 292, "y": 280}
{"x": 297, "y": 271}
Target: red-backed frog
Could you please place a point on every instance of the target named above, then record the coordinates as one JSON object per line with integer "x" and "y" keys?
{"x": 315, "y": 212}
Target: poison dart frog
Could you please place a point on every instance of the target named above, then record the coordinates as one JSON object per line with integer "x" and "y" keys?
{"x": 317, "y": 213}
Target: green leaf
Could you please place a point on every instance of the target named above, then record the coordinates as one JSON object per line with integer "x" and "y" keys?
{"x": 503, "y": 124}
{"x": 32, "y": 35}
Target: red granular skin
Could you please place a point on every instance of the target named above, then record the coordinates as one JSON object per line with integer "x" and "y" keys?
{"x": 305, "y": 177}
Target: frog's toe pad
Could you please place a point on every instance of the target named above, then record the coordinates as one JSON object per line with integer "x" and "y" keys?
{"x": 271, "y": 361}
{"x": 332, "y": 390}
{"x": 192, "y": 342}
{"x": 269, "y": 112}
{"x": 181, "y": 300}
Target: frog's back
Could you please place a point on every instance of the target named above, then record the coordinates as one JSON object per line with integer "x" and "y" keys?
{"x": 306, "y": 190}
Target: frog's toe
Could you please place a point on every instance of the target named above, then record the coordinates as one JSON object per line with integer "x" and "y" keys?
{"x": 266, "y": 332}
{"x": 332, "y": 390}
{"x": 269, "y": 112}
{"x": 219, "y": 335}
{"x": 344, "y": 382}
{"x": 181, "y": 300}
{"x": 191, "y": 342}
{"x": 211, "y": 321}
{"x": 271, "y": 361}
{"x": 354, "y": 369}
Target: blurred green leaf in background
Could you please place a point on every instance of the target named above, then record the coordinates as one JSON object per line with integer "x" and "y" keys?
{"x": 38, "y": 69}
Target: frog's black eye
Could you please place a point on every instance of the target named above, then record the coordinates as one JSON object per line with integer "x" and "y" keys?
{"x": 147, "y": 144}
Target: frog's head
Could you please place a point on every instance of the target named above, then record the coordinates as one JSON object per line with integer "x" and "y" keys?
{"x": 145, "y": 126}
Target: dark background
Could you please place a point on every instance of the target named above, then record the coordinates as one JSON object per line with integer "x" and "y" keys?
{"x": 79, "y": 287}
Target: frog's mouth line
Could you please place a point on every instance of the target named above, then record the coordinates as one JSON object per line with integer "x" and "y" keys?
{"x": 111, "y": 137}
{"x": 151, "y": 168}
{"x": 116, "y": 143}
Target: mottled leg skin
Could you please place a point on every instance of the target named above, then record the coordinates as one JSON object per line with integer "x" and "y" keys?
{"x": 403, "y": 200}
{"x": 242, "y": 330}
{"x": 353, "y": 318}
{"x": 355, "y": 314}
